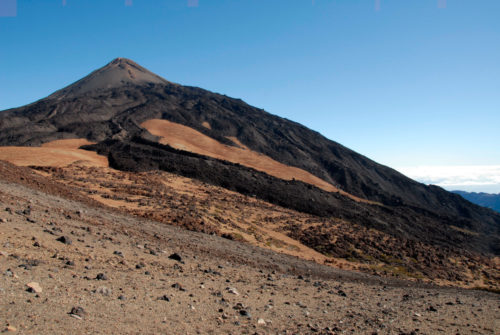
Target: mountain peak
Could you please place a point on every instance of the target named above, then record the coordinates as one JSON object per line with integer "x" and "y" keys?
{"x": 123, "y": 63}
{"x": 121, "y": 60}
{"x": 117, "y": 73}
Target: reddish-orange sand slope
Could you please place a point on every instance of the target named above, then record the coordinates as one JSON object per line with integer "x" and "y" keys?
{"x": 56, "y": 153}
{"x": 186, "y": 138}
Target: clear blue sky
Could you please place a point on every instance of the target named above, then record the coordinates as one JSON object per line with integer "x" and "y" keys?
{"x": 406, "y": 83}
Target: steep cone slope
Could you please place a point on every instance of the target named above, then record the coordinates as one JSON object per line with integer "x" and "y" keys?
{"x": 119, "y": 73}
{"x": 109, "y": 106}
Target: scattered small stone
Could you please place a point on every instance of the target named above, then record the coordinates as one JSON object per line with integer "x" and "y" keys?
{"x": 152, "y": 252}
{"x": 64, "y": 239}
{"x": 245, "y": 313}
{"x": 179, "y": 287}
{"x": 101, "y": 276}
{"x": 77, "y": 311}
{"x": 2, "y": 220}
{"x": 342, "y": 293}
{"x": 232, "y": 290}
{"x": 164, "y": 298}
{"x": 34, "y": 287}
{"x": 11, "y": 328}
{"x": 432, "y": 309}
{"x": 261, "y": 321}
{"x": 29, "y": 264}
{"x": 238, "y": 306}
{"x": 36, "y": 244}
{"x": 301, "y": 304}
{"x": 70, "y": 263}
{"x": 122, "y": 297}
{"x": 140, "y": 265}
{"x": 175, "y": 257}
{"x": 312, "y": 327}
{"x": 118, "y": 253}
{"x": 217, "y": 273}
{"x": 25, "y": 266}
{"x": 104, "y": 291}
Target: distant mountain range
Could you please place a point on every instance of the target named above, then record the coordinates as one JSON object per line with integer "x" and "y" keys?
{"x": 482, "y": 199}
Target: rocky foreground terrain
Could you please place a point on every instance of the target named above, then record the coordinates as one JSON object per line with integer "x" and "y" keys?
{"x": 201, "y": 207}
{"x": 70, "y": 264}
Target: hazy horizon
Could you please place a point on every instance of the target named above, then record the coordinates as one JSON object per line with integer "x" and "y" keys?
{"x": 479, "y": 179}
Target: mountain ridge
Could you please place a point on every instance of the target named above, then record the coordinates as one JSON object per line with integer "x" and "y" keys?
{"x": 111, "y": 116}
{"x": 489, "y": 200}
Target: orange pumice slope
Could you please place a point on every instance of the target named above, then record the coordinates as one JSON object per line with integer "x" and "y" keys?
{"x": 57, "y": 153}
{"x": 185, "y": 138}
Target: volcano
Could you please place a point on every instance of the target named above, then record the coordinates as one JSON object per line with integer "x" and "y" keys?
{"x": 119, "y": 73}
{"x": 142, "y": 122}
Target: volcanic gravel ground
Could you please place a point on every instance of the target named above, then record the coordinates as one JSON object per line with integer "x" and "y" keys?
{"x": 101, "y": 272}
